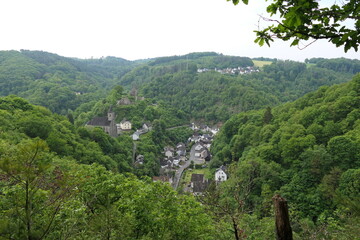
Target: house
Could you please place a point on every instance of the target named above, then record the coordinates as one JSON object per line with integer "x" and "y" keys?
{"x": 176, "y": 161}
{"x": 194, "y": 127}
{"x": 146, "y": 127}
{"x": 139, "y": 160}
{"x": 198, "y": 184}
{"x": 180, "y": 145}
{"x": 204, "y": 128}
{"x": 220, "y": 174}
{"x": 125, "y": 125}
{"x": 181, "y": 152}
{"x": 165, "y": 163}
{"x": 169, "y": 151}
{"x": 199, "y": 147}
{"x": 135, "y": 136}
{"x": 181, "y": 149}
{"x": 205, "y": 154}
{"x": 124, "y": 101}
{"x": 106, "y": 123}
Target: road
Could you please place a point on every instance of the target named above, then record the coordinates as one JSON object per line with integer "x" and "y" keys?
{"x": 179, "y": 173}
{"x": 177, "y": 127}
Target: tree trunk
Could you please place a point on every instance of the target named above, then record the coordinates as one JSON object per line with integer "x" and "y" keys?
{"x": 28, "y": 211}
{"x": 235, "y": 229}
{"x": 282, "y": 222}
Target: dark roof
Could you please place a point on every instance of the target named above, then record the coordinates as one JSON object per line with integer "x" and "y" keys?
{"x": 99, "y": 121}
{"x": 181, "y": 152}
{"x": 197, "y": 177}
{"x": 163, "y": 162}
{"x": 200, "y": 187}
{"x": 181, "y": 147}
{"x": 222, "y": 167}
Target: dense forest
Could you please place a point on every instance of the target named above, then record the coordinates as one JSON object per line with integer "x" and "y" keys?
{"x": 214, "y": 97}
{"x": 60, "y": 179}
{"x": 66, "y": 84}
{"x": 56, "y": 82}
{"x": 306, "y": 150}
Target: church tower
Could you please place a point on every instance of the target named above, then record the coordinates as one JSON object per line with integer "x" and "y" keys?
{"x": 111, "y": 118}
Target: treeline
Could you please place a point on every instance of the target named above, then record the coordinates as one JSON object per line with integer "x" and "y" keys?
{"x": 337, "y": 64}
{"x": 56, "y": 82}
{"x": 174, "y": 64}
{"x": 215, "y": 97}
{"x": 307, "y": 151}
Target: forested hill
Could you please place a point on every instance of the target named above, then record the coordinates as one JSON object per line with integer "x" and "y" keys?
{"x": 213, "y": 96}
{"x": 56, "y": 82}
{"x": 189, "y": 82}
{"x": 56, "y": 183}
{"x": 308, "y": 151}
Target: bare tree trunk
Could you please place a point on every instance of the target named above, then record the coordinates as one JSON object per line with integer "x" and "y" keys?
{"x": 282, "y": 222}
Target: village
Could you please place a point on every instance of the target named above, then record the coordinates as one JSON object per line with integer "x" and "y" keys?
{"x": 182, "y": 166}
{"x": 233, "y": 71}
{"x": 185, "y": 166}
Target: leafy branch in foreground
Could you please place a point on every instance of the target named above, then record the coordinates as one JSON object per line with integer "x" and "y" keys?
{"x": 305, "y": 20}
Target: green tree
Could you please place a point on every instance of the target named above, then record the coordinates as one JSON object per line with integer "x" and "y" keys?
{"x": 304, "y": 20}
{"x": 34, "y": 191}
{"x": 267, "y": 115}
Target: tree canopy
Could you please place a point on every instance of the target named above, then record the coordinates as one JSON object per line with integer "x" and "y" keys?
{"x": 312, "y": 19}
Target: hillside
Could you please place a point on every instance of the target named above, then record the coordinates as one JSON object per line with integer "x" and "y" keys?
{"x": 56, "y": 183}
{"x": 56, "y": 82}
{"x": 198, "y": 84}
{"x": 306, "y": 150}
{"x": 61, "y": 179}
{"x": 191, "y": 83}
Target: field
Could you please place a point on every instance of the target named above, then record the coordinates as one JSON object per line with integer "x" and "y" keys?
{"x": 260, "y": 64}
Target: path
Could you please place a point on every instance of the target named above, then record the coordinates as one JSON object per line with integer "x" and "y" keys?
{"x": 179, "y": 173}
{"x": 134, "y": 151}
{"x": 177, "y": 127}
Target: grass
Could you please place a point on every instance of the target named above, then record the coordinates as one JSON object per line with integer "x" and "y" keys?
{"x": 260, "y": 64}
{"x": 187, "y": 173}
{"x": 310, "y": 64}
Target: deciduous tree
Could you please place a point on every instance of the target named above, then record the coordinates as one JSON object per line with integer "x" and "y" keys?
{"x": 312, "y": 19}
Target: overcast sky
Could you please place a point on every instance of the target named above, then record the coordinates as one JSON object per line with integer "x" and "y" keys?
{"x": 144, "y": 29}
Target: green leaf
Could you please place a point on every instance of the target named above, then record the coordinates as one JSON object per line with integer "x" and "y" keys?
{"x": 295, "y": 42}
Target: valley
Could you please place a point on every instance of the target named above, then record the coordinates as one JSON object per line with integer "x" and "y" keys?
{"x": 86, "y": 146}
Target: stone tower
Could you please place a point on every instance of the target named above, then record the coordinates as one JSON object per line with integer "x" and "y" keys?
{"x": 112, "y": 125}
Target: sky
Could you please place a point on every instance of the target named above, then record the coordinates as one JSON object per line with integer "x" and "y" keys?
{"x": 144, "y": 29}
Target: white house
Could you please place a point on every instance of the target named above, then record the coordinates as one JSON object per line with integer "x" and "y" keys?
{"x": 136, "y": 135}
{"x": 220, "y": 174}
{"x": 125, "y": 125}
